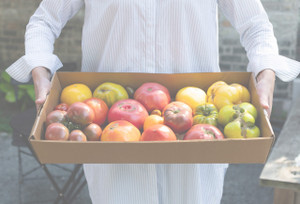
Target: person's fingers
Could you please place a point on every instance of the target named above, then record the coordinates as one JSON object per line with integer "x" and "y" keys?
{"x": 41, "y": 94}
{"x": 265, "y": 88}
{"x": 41, "y": 80}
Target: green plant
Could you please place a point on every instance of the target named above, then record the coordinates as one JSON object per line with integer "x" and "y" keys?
{"x": 22, "y": 95}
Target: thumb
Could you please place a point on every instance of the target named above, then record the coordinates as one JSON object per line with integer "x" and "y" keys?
{"x": 264, "y": 102}
{"x": 41, "y": 97}
{"x": 265, "y": 105}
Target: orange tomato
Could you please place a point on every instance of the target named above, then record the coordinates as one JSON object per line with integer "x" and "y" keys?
{"x": 153, "y": 120}
{"x": 75, "y": 93}
{"x": 158, "y": 132}
{"x": 120, "y": 130}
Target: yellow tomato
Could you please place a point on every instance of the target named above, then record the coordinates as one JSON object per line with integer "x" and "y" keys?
{"x": 221, "y": 94}
{"x": 75, "y": 93}
{"x": 192, "y": 96}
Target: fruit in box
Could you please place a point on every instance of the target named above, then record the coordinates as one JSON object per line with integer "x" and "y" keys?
{"x": 203, "y": 131}
{"x": 80, "y": 113}
{"x": 158, "y": 132}
{"x": 152, "y": 96}
{"x": 192, "y": 96}
{"x": 75, "y": 93}
{"x": 239, "y": 121}
{"x": 120, "y": 130}
{"x": 221, "y": 94}
{"x": 206, "y": 114}
{"x": 110, "y": 93}
{"x": 178, "y": 116}
{"x": 57, "y": 131}
{"x": 100, "y": 109}
{"x": 130, "y": 110}
{"x": 93, "y": 132}
{"x": 77, "y": 135}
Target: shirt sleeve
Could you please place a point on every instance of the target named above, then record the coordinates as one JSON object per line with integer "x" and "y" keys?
{"x": 250, "y": 20}
{"x": 43, "y": 29}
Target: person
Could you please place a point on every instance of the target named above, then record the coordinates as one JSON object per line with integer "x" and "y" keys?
{"x": 155, "y": 37}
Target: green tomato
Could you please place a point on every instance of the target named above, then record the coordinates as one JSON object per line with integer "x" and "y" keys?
{"x": 238, "y": 129}
{"x": 110, "y": 93}
{"x": 253, "y": 132}
{"x": 206, "y": 114}
{"x": 226, "y": 115}
{"x": 249, "y": 108}
{"x": 245, "y": 111}
{"x": 233, "y": 130}
{"x": 247, "y": 117}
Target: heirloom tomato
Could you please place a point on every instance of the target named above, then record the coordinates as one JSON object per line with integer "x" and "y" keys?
{"x": 130, "y": 110}
{"x": 241, "y": 129}
{"x": 80, "y": 113}
{"x": 206, "y": 114}
{"x": 57, "y": 131}
{"x": 93, "y": 132}
{"x": 56, "y": 116}
{"x": 153, "y": 120}
{"x": 77, "y": 135}
{"x": 100, "y": 109}
{"x": 110, "y": 93}
{"x": 75, "y": 93}
{"x": 221, "y": 94}
{"x": 152, "y": 96}
{"x": 239, "y": 121}
{"x": 178, "y": 116}
{"x": 192, "y": 96}
{"x": 203, "y": 131}
{"x": 158, "y": 132}
{"x": 120, "y": 130}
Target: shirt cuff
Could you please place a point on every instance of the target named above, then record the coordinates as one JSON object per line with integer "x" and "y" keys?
{"x": 285, "y": 68}
{"x": 21, "y": 69}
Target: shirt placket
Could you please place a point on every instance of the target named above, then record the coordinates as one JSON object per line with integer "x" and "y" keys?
{"x": 150, "y": 35}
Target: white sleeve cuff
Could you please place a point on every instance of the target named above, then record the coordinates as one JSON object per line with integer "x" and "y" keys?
{"x": 21, "y": 69}
{"x": 285, "y": 68}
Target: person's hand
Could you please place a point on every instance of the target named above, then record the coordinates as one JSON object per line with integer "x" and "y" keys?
{"x": 265, "y": 82}
{"x": 41, "y": 81}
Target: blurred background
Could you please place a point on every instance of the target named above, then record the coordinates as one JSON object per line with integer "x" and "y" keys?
{"x": 14, "y": 15}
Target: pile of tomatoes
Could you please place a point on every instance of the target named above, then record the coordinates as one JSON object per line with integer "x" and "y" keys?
{"x": 114, "y": 113}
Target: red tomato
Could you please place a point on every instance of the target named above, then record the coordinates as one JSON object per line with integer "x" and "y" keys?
{"x": 57, "y": 131}
{"x": 152, "y": 96}
{"x": 100, "y": 109}
{"x": 178, "y": 116}
{"x": 56, "y": 116}
{"x": 62, "y": 106}
{"x": 77, "y": 135}
{"x": 203, "y": 131}
{"x": 93, "y": 132}
{"x": 120, "y": 130}
{"x": 158, "y": 132}
{"x": 130, "y": 110}
{"x": 81, "y": 113}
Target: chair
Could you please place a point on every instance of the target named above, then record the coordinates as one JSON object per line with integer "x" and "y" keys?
{"x": 21, "y": 125}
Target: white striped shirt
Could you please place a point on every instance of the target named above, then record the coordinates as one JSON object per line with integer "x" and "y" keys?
{"x": 157, "y": 36}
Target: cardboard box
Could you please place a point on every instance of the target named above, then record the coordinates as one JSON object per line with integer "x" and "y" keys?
{"x": 254, "y": 150}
